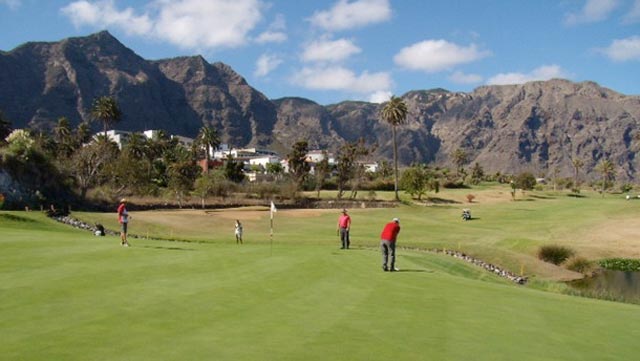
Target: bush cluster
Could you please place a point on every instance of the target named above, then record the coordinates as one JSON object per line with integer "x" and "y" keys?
{"x": 580, "y": 264}
{"x": 555, "y": 254}
{"x": 621, "y": 264}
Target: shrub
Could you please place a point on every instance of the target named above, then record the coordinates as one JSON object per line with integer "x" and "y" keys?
{"x": 580, "y": 264}
{"x": 470, "y": 198}
{"x": 621, "y": 264}
{"x": 555, "y": 254}
{"x": 626, "y": 188}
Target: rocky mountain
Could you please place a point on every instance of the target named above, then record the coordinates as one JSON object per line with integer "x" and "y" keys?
{"x": 40, "y": 82}
{"x": 539, "y": 126}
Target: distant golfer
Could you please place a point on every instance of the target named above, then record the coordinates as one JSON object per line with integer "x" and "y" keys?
{"x": 388, "y": 244}
{"x": 238, "y": 232}
{"x": 344, "y": 225}
{"x": 123, "y": 218}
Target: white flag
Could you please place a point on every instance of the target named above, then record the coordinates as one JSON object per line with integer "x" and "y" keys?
{"x": 273, "y": 209}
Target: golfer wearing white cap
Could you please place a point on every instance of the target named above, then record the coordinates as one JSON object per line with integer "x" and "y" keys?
{"x": 388, "y": 244}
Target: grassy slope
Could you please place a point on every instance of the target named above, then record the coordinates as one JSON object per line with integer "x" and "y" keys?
{"x": 65, "y": 294}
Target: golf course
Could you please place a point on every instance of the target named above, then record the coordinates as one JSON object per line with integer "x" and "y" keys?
{"x": 185, "y": 290}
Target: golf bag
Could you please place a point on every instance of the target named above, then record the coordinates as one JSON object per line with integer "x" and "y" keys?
{"x": 99, "y": 230}
{"x": 466, "y": 214}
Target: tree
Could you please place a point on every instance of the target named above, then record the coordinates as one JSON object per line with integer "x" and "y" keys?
{"x": 414, "y": 181}
{"x": 577, "y": 164}
{"x": 607, "y": 169}
{"x": 394, "y": 113}
{"x": 89, "y": 161}
{"x": 275, "y": 168}
{"x": 205, "y": 185}
{"x": 63, "y": 137}
{"x": 208, "y": 137}
{"x": 298, "y": 166}
{"x": 385, "y": 170}
{"x": 420, "y": 179}
{"x": 106, "y": 110}
{"x": 460, "y": 159}
{"x": 525, "y": 181}
{"x": 477, "y": 174}
{"x": 82, "y": 134}
{"x": 322, "y": 171}
{"x": 234, "y": 171}
{"x": 136, "y": 147}
{"x": 182, "y": 173}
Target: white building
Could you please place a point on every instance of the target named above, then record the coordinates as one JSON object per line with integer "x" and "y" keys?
{"x": 264, "y": 160}
{"x": 120, "y": 137}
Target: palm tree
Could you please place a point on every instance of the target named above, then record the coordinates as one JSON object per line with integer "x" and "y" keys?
{"x": 106, "y": 110}
{"x": 394, "y": 112}
{"x": 62, "y": 136}
{"x": 607, "y": 169}
{"x": 208, "y": 136}
{"x": 82, "y": 134}
{"x": 136, "y": 146}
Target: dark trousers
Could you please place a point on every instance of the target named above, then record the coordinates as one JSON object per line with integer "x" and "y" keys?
{"x": 344, "y": 237}
{"x": 388, "y": 248}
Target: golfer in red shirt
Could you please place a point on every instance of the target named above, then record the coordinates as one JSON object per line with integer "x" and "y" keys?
{"x": 344, "y": 225}
{"x": 388, "y": 244}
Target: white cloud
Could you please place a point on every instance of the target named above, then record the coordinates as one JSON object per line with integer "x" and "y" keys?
{"x": 271, "y": 37}
{"x": 329, "y": 50}
{"x": 380, "y": 96}
{"x": 348, "y": 15}
{"x": 437, "y": 55}
{"x": 462, "y": 78}
{"x": 593, "y": 11}
{"x": 104, "y": 13}
{"x": 207, "y": 23}
{"x": 266, "y": 63}
{"x": 193, "y": 24}
{"x": 633, "y": 16}
{"x": 623, "y": 49}
{"x": 544, "y": 72}
{"x": 340, "y": 78}
{"x": 12, "y": 4}
{"x": 275, "y": 32}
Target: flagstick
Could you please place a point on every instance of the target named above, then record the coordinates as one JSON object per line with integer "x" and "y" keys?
{"x": 271, "y": 239}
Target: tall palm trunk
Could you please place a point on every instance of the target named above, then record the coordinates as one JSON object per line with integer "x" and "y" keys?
{"x": 395, "y": 162}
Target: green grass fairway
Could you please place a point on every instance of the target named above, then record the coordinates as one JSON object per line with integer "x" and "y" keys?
{"x": 68, "y": 295}
{"x": 502, "y": 231}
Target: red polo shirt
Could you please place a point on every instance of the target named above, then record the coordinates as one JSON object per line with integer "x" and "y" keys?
{"x": 390, "y": 231}
{"x": 344, "y": 221}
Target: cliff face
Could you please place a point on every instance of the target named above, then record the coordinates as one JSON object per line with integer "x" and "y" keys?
{"x": 538, "y": 126}
{"x": 44, "y": 81}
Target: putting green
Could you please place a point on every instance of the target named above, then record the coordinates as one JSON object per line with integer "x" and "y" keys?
{"x": 65, "y": 294}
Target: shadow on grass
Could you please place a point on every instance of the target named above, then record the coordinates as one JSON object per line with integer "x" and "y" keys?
{"x": 437, "y": 200}
{"x": 542, "y": 197}
{"x": 168, "y": 248}
{"x": 414, "y": 270}
{"x": 574, "y": 195}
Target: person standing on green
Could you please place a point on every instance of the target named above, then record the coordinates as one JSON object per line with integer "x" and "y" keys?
{"x": 344, "y": 225}
{"x": 123, "y": 219}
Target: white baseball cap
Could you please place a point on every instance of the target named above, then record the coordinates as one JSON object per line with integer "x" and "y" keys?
{"x": 397, "y": 220}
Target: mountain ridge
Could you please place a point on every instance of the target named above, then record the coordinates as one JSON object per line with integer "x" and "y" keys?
{"x": 539, "y": 126}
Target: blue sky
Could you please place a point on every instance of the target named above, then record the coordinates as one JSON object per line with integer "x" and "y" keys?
{"x": 330, "y": 51}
